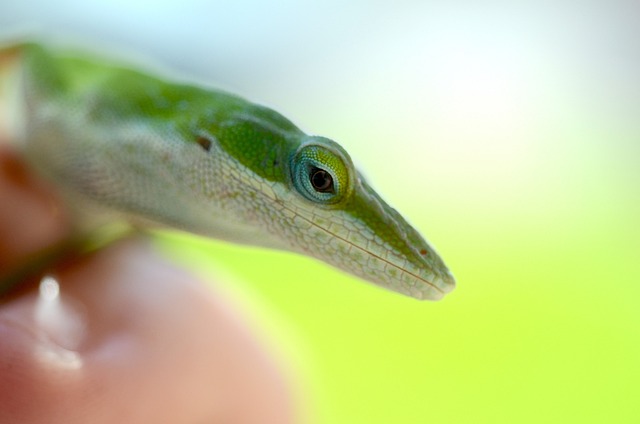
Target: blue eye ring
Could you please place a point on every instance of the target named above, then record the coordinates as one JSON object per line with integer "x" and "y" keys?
{"x": 321, "y": 171}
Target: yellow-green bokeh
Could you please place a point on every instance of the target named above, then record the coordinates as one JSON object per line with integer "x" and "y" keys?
{"x": 506, "y": 155}
{"x": 510, "y": 136}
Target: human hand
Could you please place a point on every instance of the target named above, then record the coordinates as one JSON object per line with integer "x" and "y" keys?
{"x": 132, "y": 338}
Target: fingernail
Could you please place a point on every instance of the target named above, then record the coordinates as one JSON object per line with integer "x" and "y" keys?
{"x": 57, "y": 317}
{"x": 60, "y": 326}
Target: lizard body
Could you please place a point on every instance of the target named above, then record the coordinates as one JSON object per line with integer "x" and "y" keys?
{"x": 121, "y": 144}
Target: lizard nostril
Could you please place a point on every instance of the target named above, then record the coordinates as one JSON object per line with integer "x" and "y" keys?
{"x": 423, "y": 252}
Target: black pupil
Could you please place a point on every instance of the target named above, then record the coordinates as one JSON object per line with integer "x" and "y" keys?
{"x": 321, "y": 180}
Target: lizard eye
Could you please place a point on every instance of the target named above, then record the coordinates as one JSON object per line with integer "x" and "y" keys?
{"x": 320, "y": 173}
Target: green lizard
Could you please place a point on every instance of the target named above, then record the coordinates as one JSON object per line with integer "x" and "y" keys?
{"x": 120, "y": 144}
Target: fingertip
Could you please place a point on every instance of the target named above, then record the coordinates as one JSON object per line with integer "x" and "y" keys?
{"x": 159, "y": 347}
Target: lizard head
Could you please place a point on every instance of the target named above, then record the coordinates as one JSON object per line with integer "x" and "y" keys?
{"x": 335, "y": 216}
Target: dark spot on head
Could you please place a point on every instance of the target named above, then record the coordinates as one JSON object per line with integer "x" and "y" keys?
{"x": 204, "y": 142}
{"x": 275, "y": 162}
{"x": 423, "y": 252}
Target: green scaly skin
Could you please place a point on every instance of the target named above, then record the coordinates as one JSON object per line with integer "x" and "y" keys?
{"x": 124, "y": 145}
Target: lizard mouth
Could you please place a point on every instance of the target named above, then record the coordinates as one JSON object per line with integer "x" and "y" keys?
{"x": 361, "y": 252}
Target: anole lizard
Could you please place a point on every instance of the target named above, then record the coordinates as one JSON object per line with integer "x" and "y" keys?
{"x": 120, "y": 144}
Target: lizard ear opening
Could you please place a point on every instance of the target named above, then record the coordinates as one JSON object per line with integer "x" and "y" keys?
{"x": 204, "y": 142}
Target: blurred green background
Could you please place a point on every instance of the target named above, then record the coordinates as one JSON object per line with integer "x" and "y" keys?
{"x": 508, "y": 133}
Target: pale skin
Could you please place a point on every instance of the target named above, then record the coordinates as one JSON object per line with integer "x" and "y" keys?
{"x": 160, "y": 347}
